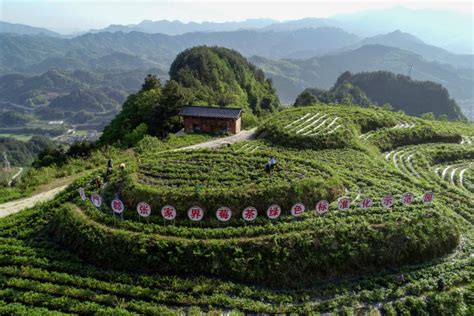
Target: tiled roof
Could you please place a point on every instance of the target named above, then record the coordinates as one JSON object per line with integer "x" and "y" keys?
{"x": 209, "y": 111}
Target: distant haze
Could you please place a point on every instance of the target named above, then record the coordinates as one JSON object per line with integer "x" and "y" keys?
{"x": 72, "y": 16}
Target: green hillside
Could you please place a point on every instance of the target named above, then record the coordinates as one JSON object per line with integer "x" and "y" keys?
{"x": 382, "y": 87}
{"x": 411, "y": 96}
{"x": 21, "y": 153}
{"x": 77, "y": 97}
{"x": 68, "y": 256}
{"x": 220, "y": 76}
{"x": 213, "y": 76}
{"x": 291, "y": 76}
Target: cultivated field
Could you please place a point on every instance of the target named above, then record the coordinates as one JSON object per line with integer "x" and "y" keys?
{"x": 68, "y": 256}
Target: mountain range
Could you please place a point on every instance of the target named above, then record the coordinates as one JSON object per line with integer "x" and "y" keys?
{"x": 16, "y": 28}
{"x": 446, "y": 29}
{"x": 291, "y": 76}
{"x": 177, "y": 27}
{"x": 294, "y": 54}
{"x": 36, "y": 54}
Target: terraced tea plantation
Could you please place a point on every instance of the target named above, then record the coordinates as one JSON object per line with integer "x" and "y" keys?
{"x": 291, "y": 255}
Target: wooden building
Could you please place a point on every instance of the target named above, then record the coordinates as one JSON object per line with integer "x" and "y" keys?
{"x": 206, "y": 119}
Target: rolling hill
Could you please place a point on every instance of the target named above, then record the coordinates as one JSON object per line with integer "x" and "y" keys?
{"x": 76, "y": 97}
{"x": 367, "y": 211}
{"x": 382, "y": 87}
{"x": 408, "y": 42}
{"x": 206, "y": 76}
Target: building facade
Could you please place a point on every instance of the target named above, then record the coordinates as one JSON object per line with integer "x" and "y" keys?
{"x": 205, "y": 119}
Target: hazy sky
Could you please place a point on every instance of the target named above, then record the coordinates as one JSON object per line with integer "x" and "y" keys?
{"x": 79, "y": 15}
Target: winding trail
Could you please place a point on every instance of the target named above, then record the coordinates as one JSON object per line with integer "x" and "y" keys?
{"x": 18, "y": 205}
{"x": 15, "y": 176}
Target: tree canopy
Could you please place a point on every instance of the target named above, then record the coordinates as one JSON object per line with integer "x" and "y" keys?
{"x": 200, "y": 76}
{"x": 344, "y": 93}
{"x": 383, "y": 87}
{"x": 223, "y": 77}
{"x": 21, "y": 153}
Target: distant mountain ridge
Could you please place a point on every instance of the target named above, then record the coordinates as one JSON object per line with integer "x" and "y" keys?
{"x": 426, "y": 24}
{"x": 413, "y": 44}
{"x": 429, "y": 25}
{"x": 286, "y": 57}
{"x": 32, "y": 54}
{"x": 15, "y": 28}
{"x": 295, "y": 54}
{"x": 443, "y": 28}
{"x": 177, "y": 27}
{"x": 291, "y": 76}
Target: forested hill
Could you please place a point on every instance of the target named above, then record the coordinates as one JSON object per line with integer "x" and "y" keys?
{"x": 201, "y": 75}
{"x": 21, "y": 153}
{"x": 77, "y": 97}
{"x": 221, "y": 76}
{"x": 381, "y": 87}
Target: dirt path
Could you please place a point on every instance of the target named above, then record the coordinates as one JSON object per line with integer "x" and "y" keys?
{"x": 42, "y": 193}
{"x": 216, "y": 143}
{"x": 18, "y": 205}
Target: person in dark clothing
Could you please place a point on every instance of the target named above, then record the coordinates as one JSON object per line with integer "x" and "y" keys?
{"x": 267, "y": 167}
{"x": 272, "y": 162}
{"x": 401, "y": 278}
{"x": 441, "y": 285}
{"x": 109, "y": 170}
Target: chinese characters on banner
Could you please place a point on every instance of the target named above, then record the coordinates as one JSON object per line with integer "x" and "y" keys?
{"x": 407, "y": 198}
{"x": 366, "y": 203}
{"x": 250, "y": 213}
{"x": 195, "y": 213}
{"x": 143, "y": 209}
{"x": 387, "y": 201}
{"x": 274, "y": 211}
{"x": 223, "y": 214}
{"x": 428, "y": 197}
{"x": 343, "y": 204}
{"x": 117, "y": 206}
{"x": 322, "y": 207}
{"x": 96, "y": 199}
{"x": 297, "y": 209}
{"x": 168, "y": 212}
